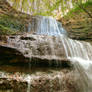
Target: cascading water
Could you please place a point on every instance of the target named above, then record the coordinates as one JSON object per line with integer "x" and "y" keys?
{"x": 80, "y": 53}
{"x": 46, "y": 26}
{"x": 49, "y": 40}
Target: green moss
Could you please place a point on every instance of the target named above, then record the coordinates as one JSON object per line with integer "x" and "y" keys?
{"x": 6, "y": 31}
{"x": 89, "y": 3}
{"x": 10, "y": 24}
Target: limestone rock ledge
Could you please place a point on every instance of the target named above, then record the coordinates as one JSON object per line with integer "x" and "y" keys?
{"x": 37, "y": 49}
{"x": 52, "y": 81}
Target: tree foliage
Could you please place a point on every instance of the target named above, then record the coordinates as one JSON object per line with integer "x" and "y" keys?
{"x": 79, "y": 3}
{"x": 45, "y": 7}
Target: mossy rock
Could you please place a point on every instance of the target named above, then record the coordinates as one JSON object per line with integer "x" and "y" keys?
{"x": 6, "y": 31}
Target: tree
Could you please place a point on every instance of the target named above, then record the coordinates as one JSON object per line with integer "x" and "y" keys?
{"x": 47, "y": 6}
{"x": 80, "y": 5}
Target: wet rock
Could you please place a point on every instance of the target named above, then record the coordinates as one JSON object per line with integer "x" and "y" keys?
{"x": 3, "y": 38}
{"x": 36, "y": 49}
{"x": 56, "y": 81}
{"x": 10, "y": 55}
{"x": 27, "y": 38}
{"x": 12, "y": 85}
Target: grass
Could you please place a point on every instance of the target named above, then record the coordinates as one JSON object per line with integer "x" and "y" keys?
{"x": 10, "y": 25}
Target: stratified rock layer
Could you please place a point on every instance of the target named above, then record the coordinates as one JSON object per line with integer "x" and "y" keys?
{"x": 52, "y": 81}
{"x": 33, "y": 48}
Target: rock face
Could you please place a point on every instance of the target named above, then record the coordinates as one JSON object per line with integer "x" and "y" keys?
{"x": 38, "y": 46}
{"x": 51, "y": 81}
{"x": 79, "y": 29}
{"x": 33, "y": 48}
{"x": 42, "y": 50}
{"x": 79, "y": 24}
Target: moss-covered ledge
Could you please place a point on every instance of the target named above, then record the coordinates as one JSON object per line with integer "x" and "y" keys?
{"x": 11, "y": 20}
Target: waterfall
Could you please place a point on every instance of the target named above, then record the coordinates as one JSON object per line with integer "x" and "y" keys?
{"x": 80, "y": 55}
{"x": 52, "y": 43}
{"x": 46, "y": 26}
{"x": 79, "y": 52}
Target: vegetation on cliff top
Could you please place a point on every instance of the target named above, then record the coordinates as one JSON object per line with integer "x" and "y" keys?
{"x": 79, "y": 23}
{"x": 77, "y": 10}
{"x": 45, "y": 7}
{"x": 13, "y": 21}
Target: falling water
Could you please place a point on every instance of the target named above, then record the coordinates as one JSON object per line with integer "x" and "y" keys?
{"x": 50, "y": 38}
{"x": 80, "y": 55}
{"x": 79, "y": 52}
{"x": 46, "y": 26}
{"x": 28, "y": 78}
